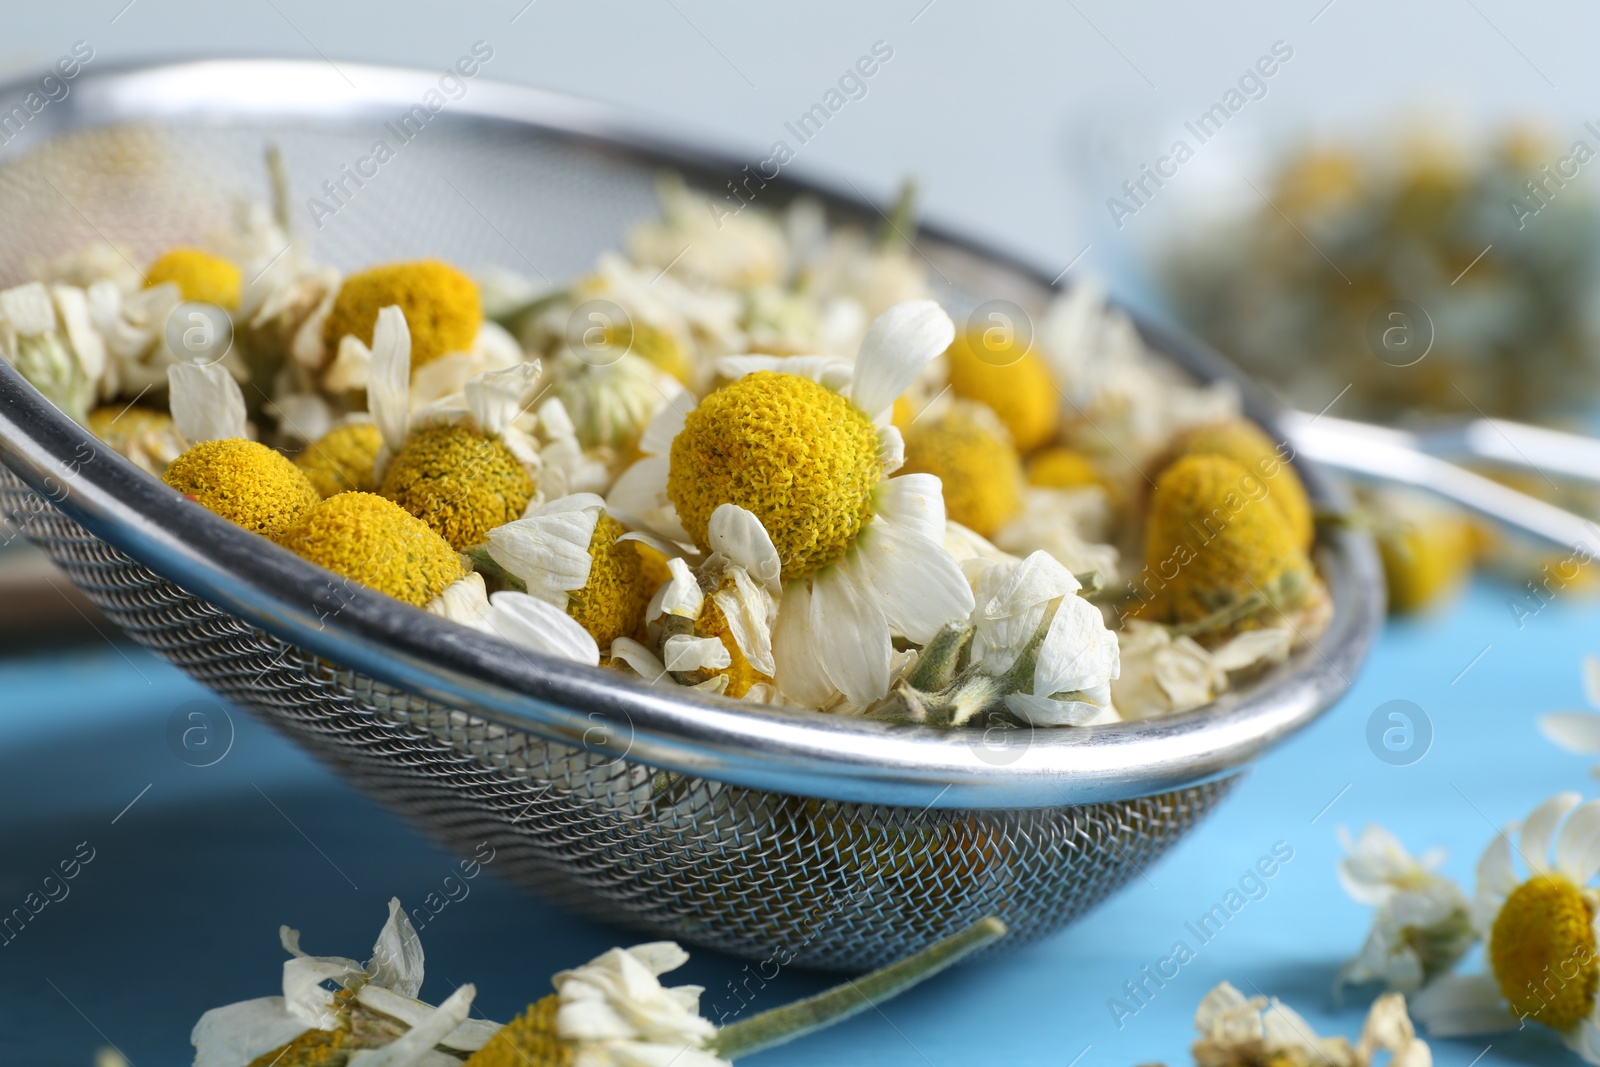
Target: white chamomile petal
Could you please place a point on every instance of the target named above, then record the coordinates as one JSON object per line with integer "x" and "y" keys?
{"x": 681, "y": 652}
{"x": 800, "y": 675}
{"x": 1042, "y": 711}
{"x": 914, "y": 501}
{"x": 891, "y": 449}
{"x": 1078, "y": 652}
{"x": 898, "y": 344}
{"x": 1038, "y": 579}
{"x": 496, "y": 398}
{"x": 679, "y": 595}
{"x": 639, "y": 498}
{"x": 534, "y": 624}
{"x": 749, "y": 610}
{"x": 303, "y": 992}
{"x": 397, "y": 959}
{"x": 664, "y": 425}
{"x": 1540, "y": 829}
{"x": 851, "y": 635}
{"x": 468, "y": 1036}
{"x": 549, "y": 549}
{"x": 241, "y": 1033}
{"x": 389, "y": 388}
{"x": 1462, "y": 1005}
{"x": 87, "y": 345}
{"x": 1575, "y": 731}
{"x": 1578, "y": 844}
{"x": 913, "y": 581}
{"x": 351, "y": 367}
{"x": 640, "y": 659}
{"x": 1268, "y": 644}
{"x": 1497, "y": 878}
{"x": 739, "y": 535}
{"x": 415, "y": 1046}
{"x": 206, "y": 403}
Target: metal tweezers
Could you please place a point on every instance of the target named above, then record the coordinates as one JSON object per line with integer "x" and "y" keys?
{"x": 1424, "y": 459}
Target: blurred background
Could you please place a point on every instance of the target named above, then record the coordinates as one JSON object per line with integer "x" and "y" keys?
{"x": 1337, "y": 156}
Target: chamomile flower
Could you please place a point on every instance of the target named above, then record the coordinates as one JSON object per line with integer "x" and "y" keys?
{"x": 148, "y": 438}
{"x": 1247, "y": 445}
{"x": 47, "y": 334}
{"x": 441, "y": 306}
{"x": 567, "y": 553}
{"x": 1164, "y": 673}
{"x": 707, "y": 245}
{"x": 861, "y": 554}
{"x": 198, "y": 274}
{"x": 1236, "y": 1031}
{"x": 1028, "y": 615}
{"x": 971, "y": 454}
{"x": 461, "y": 465}
{"x": 1423, "y": 924}
{"x": 986, "y": 367}
{"x": 713, "y": 626}
{"x": 1578, "y": 731}
{"x": 374, "y": 541}
{"x": 1539, "y": 933}
{"x": 376, "y": 1007}
{"x": 343, "y": 459}
{"x": 611, "y": 401}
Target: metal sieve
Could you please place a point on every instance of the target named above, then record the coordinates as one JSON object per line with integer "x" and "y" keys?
{"x": 829, "y": 842}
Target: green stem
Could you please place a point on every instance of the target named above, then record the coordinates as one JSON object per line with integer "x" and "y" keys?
{"x": 784, "y": 1024}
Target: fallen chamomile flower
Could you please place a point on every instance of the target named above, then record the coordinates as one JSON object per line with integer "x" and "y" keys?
{"x": 1236, "y": 1031}
{"x": 376, "y": 1007}
{"x": 1539, "y": 934}
{"x": 1423, "y": 924}
{"x": 611, "y": 1012}
{"x": 861, "y": 553}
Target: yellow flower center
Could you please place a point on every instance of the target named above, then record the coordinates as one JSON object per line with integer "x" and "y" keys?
{"x": 653, "y": 345}
{"x": 459, "y": 482}
{"x": 741, "y": 675}
{"x": 1542, "y": 949}
{"x": 341, "y": 460}
{"x": 314, "y": 1048}
{"x": 978, "y": 468}
{"x": 1245, "y": 444}
{"x": 529, "y": 1040}
{"x": 1213, "y": 541}
{"x": 611, "y": 604}
{"x": 373, "y": 541}
{"x": 198, "y": 276}
{"x": 797, "y": 456}
{"x": 442, "y": 308}
{"x": 245, "y": 482}
{"x": 1062, "y": 468}
{"x": 993, "y": 368}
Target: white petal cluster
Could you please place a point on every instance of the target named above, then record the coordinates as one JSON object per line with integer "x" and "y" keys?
{"x": 1236, "y": 1029}
{"x": 1423, "y": 923}
{"x": 615, "y": 1012}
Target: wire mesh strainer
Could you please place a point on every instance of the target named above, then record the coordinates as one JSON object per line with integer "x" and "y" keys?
{"x": 773, "y": 835}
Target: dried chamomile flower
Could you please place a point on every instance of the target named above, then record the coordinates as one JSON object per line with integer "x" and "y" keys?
{"x": 567, "y": 553}
{"x": 146, "y": 437}
{"x": 975, "y": 462}
{"x": 1429, "y": 549}
{"x": 461, "y": 465}
{"x": 1423, "y": 924}
{"x": 1247, "y": 445}
{"x": 1164, "y": 673}
{"x": 610, "y": 403}
{"x": 1062, "y": 468}
{"x": 1218, "y": 556}
{"x": 614, "y": 1012}
{"x": 995, "y": 368}
{"x": 861, "y": 553}
{"x": 47, "y": 334}
{"x": 371, "y": 540}
{"x": 1236, "y": 1031}
{"x": 199, "y": 275}
{"x": 1031, "y": 646}
{"x": 517, "y": 618}
{"x": 374, "y": 1008}
{"x": 441, "y": 307}
{"x": 713, "y": 626}
{"x": 341, "y": 460}
{"x": 1539, "y": 930}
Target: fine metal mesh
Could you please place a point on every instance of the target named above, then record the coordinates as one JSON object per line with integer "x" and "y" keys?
{"x": 824, "y": 883}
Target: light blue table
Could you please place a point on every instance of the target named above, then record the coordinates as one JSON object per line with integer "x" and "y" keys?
{"x": 178, "y": 910}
